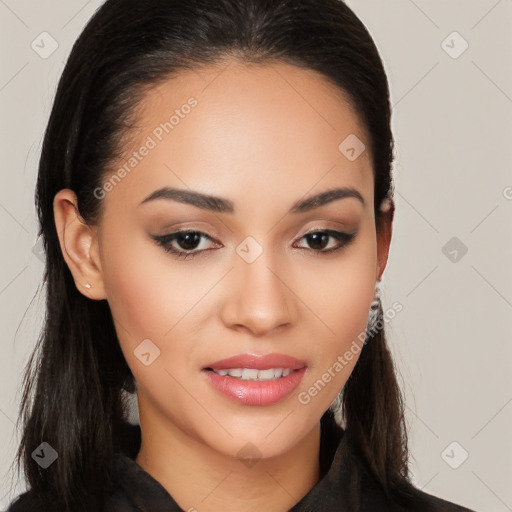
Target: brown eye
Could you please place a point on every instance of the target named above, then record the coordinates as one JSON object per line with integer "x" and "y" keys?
{"x": 318, "y": 240}
{"x": 188, "y": 241}
{"x": 182, "y": 243}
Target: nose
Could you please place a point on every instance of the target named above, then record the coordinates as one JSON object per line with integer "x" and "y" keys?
{"x": 259, "y": 297}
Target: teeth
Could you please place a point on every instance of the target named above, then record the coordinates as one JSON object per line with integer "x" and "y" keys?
{"x": 266, "y": 374}
{"x": 254, "y": 374}
{"x": 249, "y": 374}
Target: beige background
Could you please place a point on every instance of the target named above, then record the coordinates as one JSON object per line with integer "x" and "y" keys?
{"x": 453, "y": 126}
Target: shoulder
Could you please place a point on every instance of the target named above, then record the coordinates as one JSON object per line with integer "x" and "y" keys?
{"x": 29, "y": 502}
{"x": 26, "y": 502}
{"x": 435, "y": 503}
{"x": 351, "y": 480}
{"x": 424, "y": 502}
{"x": 405, "y": 497}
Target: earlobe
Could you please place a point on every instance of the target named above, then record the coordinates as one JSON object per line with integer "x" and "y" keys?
{"x": 78, "y": 242}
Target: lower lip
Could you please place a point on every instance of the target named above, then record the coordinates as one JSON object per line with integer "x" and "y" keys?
{"x": 253, "y": 392}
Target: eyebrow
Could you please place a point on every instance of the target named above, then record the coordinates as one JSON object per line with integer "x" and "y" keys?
{"x": 220, "y": 205}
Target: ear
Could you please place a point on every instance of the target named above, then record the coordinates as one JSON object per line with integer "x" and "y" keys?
{"x": 384, "y": 232}
{"x": 79, "y": 245}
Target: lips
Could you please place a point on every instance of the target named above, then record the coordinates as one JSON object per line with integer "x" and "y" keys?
{"x": 250, "y": 379}
{"x": 263, "y": 362}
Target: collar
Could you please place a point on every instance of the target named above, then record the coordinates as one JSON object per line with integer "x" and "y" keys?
{"x": 340, "y": 487}
{"x": 138, "y": 488}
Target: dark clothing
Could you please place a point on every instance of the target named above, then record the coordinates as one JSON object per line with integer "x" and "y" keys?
{"x": 136, "y": 490}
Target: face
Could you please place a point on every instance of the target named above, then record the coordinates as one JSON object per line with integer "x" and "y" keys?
{"x": 258, "y": 274}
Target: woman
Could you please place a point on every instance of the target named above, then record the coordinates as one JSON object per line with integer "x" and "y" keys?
{"x": 215, "y": 201}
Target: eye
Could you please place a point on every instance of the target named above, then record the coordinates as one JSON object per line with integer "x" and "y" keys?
{"x": 188, "y": 241}
{"x": 318, "y": 239}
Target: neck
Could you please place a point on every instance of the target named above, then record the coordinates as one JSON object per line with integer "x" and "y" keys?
{"x": 200, "y": 478}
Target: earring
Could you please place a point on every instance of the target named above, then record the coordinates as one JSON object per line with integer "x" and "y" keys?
{"x": 87, "y": 285}
{"x": 386, "y": 204}
{"x": 373, "y": 320}
{"x": 374, "y": 312}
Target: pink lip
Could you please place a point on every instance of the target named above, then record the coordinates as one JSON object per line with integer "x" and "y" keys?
{"x": 265, "y": 362}
{"x": 251, "y": 392}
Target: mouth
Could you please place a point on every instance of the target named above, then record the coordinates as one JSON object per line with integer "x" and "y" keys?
{"x": 253, "y": 373}
{"x": 256, "y": 380}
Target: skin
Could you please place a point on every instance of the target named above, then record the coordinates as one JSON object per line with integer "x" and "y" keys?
{"x": 262, "y": 136}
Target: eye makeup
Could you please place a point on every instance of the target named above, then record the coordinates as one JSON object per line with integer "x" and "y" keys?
{"x": 170, "y": 242}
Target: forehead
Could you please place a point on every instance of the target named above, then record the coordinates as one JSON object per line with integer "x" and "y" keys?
{"x": 237, "y": 126}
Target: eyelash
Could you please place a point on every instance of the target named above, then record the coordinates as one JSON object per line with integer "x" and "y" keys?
{"x": 165, "y": 241}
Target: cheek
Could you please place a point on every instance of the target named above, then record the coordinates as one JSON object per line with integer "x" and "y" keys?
{"x": 151, "y": 296}
{"x": 154, "y": 296}
{"x": 341, "y": 299}
{"x": 341, "y": 290}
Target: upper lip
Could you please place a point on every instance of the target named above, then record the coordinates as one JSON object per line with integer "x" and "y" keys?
{"x": 258, "y": 362}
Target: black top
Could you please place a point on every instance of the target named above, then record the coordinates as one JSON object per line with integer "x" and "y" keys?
{"x": 336, "y": 490}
